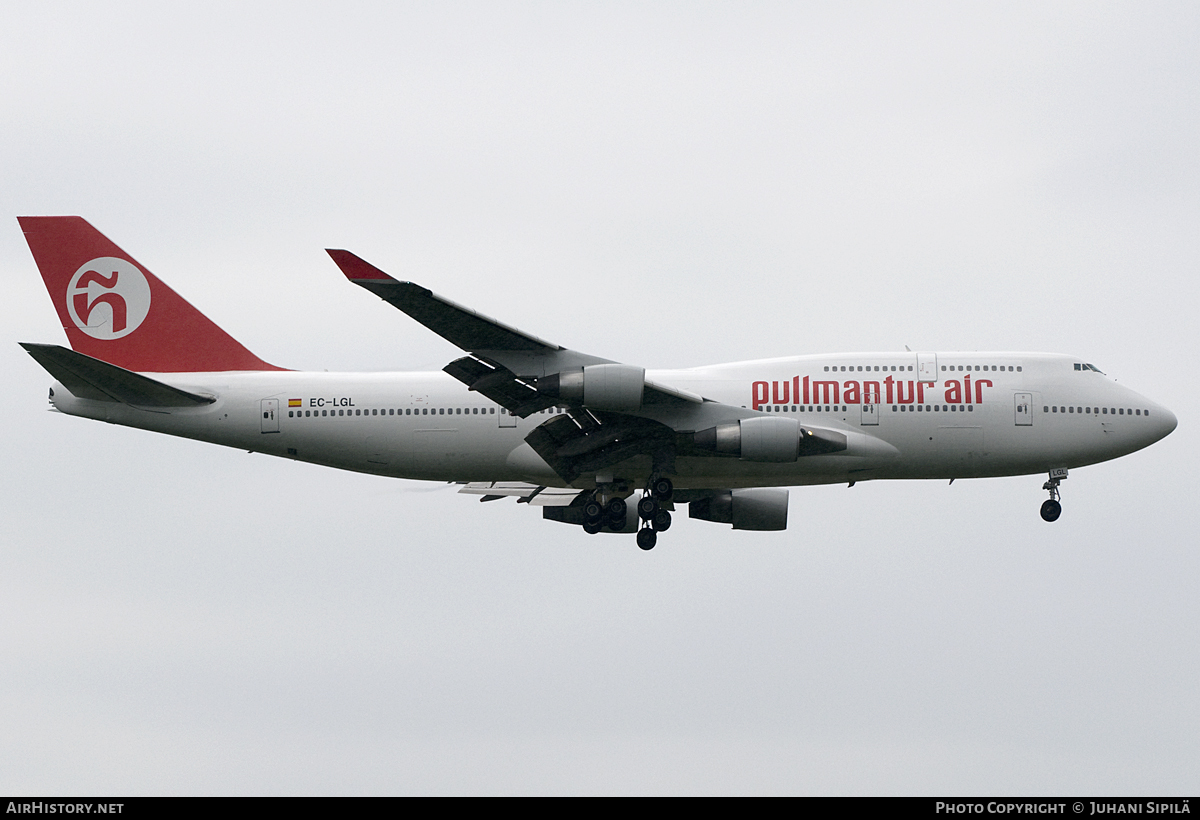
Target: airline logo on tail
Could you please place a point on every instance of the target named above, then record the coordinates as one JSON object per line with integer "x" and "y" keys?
{"x": 108, "y": 298}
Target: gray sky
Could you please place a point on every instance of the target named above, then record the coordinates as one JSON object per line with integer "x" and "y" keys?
{"x": 663, "y": 184}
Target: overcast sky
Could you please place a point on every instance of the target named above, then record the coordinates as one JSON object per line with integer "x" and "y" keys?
{"x": 666, "y": 184}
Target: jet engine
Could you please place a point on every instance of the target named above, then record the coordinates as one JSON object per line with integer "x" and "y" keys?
{"x": 756, "y": 508}
{"x": 616, "y": 387}
{"x": 768, "y": 439}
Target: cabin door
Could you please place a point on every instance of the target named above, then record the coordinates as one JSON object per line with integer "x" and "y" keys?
{"x": 270, "y": 415}
{"x": 1023, "y": 409}
{"x": 870, "y": 409}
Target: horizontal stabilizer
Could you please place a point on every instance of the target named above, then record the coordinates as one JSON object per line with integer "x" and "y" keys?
{"x": 90, "y": 378}
{"x": 458, "y": 325}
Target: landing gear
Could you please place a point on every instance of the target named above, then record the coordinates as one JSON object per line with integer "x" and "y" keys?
{"x": 597, "y": 516}
{"x": 652, "y": 511}
{"x": 662, "y": 521}
{"x": 647, "y": 538}
{"x": 615, "y": 511}
{"x": 602, "y": 511}
{"x": 1052, "y": 509}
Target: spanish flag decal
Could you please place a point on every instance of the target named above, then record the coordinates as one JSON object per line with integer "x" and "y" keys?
{"x": 293, "y": 402}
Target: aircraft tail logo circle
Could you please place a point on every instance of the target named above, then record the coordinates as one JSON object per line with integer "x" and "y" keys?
{"x": 108, "y": 298}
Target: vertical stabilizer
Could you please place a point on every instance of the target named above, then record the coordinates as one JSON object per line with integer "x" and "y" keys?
{"x": 115, "y": 310}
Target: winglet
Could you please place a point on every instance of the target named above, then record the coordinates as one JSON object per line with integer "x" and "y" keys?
{"x": 356, "y": 268}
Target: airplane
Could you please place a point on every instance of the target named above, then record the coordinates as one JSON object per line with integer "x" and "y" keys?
{"x": 575, "y": 434}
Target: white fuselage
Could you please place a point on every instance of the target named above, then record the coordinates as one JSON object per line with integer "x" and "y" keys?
{"x": 946, "y": 415}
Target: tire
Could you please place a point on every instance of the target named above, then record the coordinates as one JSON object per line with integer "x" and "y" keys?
{"x": 1051, "y": 510}
{"x": 647, "y": 538}
{"x": 662, "y": 489}
{"x": 646, "y": 508}
{"x": 617, "y": 509}
{"x": 662, "y": 521}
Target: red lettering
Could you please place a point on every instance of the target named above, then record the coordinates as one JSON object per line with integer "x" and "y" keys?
{"x": 967, "y": 388}
{"x": 888, "y": 382}
{"x": 921, "y": 392}
{"x": 912, "y": 393}
{"x": 953, "y": 392}
{"x": 806, "y": 390}
{"x": 852, "y": 394}
{"x": 759, "y": 394}
{"x": 796, "y": 389}
{"x": 979, "y": 383}
{"x": 775, "y": 392}
{"x": 871, "y": 392}
{"x": 821, "y": 392}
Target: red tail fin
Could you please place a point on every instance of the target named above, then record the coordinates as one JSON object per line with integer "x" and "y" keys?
{"x": 117, "y": 311}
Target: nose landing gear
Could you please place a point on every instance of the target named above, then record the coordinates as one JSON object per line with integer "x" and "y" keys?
{"x": 1052, "y": 509}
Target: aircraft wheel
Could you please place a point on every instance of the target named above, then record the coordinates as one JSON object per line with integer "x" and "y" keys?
{"x": 647, "y": 538}
{"x": 592, "y": 510}
{"x": 1051, "y": 510}
{"x": 616, "y": 509}
{"x": 591, "y": 527}
{"x": 647, "y": 507}
{"x": 662, "y": 521}
{"x": 662, "y": 489}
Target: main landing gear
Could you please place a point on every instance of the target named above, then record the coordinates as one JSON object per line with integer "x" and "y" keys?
{"x": 1052, "y": 509}
{"x": 596, "y": 515}
{"x": 651, "y": 510}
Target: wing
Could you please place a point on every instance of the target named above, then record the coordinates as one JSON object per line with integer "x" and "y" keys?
{"x": 613, "y": 411}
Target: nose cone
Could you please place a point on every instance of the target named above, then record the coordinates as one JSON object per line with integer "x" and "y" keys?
{"x": 1164, "y": 422}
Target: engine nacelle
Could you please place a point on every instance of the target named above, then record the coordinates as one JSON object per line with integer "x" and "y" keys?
{"x": 756, "y": 508}
{"x": 758, "y": 439}
{"x": 769, "y": 438}
{"x": 615, "y": 387}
